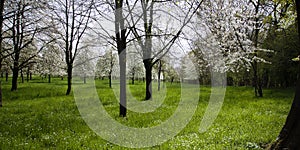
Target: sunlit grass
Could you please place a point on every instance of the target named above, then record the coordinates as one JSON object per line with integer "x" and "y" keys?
{"x": 40, "y": 116}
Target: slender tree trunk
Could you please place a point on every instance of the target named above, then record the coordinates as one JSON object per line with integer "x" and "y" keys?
{"x": 14, "y": 82}
{"x": 123, "y": 109}
{"x": 290, "y": 133}
{"x": 147, "y": 46}
{"x": 159, "y": 73}
{"x": 69, "y": 71}
{"x": 22, "y": 76}
{"x": 109, "y": 78}
{"x": 49, "y": 78}
{"x": 6, "y": 76}
{"x": 132, "y": 75}
{"x": 257, "y": 84}
{"x": 17, "y": 41}
{"x": 30, "y": 76}
{"x": 256, "y": 80}
{"x": 132, "y": 79}
{"x": 120, "y": 32}
{"x": 148, "y": 67}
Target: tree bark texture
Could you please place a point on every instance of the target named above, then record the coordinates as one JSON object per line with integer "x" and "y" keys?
{"x": 148, "y": 68}
{"x": 14, "y": 82}
{"x": 120, "y": 32}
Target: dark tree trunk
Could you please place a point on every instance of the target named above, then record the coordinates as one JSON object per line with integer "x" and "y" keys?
{"x": 30, "y": 76}
{"x": 290, "y": 133}
{"x": 257, "y": 84}
{"x": 123, "y": 109}
{"x": 14, "y": 82}
{"x": 132, "y": 80}
{"x": 132, "y": 76}
{"x": 159, "y": 73}
{"x": 148, "y": 68}
{"x": 22, "y": 76}
{"x": 256, "y": 80}
{"x": 147, "y": 46}
{"x": 6, "y": 76}
{"x": 69, "y": 71}
{"x": 109, "y": 78}
{"x": 120, "y": 32}
{"x": 49, "y": 78}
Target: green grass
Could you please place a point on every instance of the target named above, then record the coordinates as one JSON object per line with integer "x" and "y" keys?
{"x": 40, "y": 116}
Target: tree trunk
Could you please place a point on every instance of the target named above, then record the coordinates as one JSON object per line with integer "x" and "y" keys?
{"x": 132, "y": 80}
{"x": 123, "y": 109}
{"x": 49, "y": 78}
{"x": 14, "y": 82}
{"x": 30, "y": 76}
{"x": 109, "y": 78}
{"x": 120, "y": 32}
{"x": 69, "y": 71}
{"x": 256, "y": 80}
{"x": 158, "y": 76}
{"x": 290, "y": 133}
{"x": 6, "y": 76}
{"x": 22, "y": 76}
{"x": 148, "y": 68}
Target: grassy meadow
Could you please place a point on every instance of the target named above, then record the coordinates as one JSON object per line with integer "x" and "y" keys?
{"x": 40, "y": 116}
